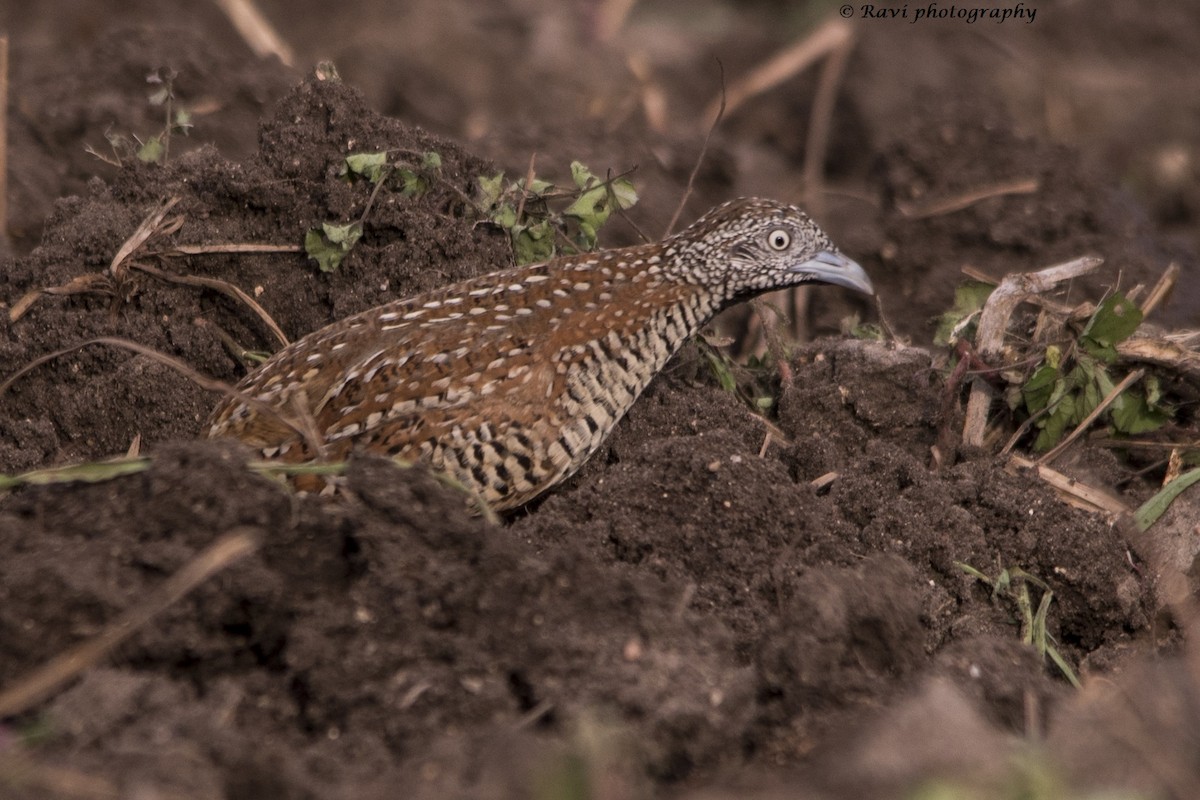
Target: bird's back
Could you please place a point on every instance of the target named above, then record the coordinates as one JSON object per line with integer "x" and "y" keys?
{"x": 507, "y": 382}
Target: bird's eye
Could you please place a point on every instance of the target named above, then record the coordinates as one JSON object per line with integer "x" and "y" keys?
{"x": 779, "y": 239}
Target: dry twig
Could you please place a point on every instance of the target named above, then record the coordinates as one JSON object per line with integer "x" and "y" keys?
{"x": 1074, "y": 492}
{"x": 1169, "y": 351}
{"x": 821, "y": 123}
{"x": 947, "y": 205}
{"x": 50, "y": 677}
{"x": 1166, "y": 282}
{"x": 793, "y": 60}
{"x": 260, "y": 36}
{"x": 716, "y": 120}
{"x": 234, "y": 247}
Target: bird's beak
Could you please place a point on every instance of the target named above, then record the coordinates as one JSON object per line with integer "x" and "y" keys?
{"x": 832, "y": 267}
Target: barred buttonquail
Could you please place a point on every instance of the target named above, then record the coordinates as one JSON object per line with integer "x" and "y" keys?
{"x": 509, "y": 381}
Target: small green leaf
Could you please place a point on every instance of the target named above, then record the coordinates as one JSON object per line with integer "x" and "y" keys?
{"x": 160, "y": 95}
{"x": 974, "y": 573}
{"x": 588, "y": 236}
{"x": 431, "y": 160}
{"x": 412, "y": 184}
{"x": 1087, "y": 401}
{"x": 1063, "y": 666}
{"x": 1153, "y": 387}
{"x": 1149, "y": 512}
{"x": 1112, "y": 322}
{"x": 590, "y": 205}
{"x": 346, "y": 235}
{"x": 624, "y": 195}
{"x": 1055, "y": 423}
{"x": 328, "y": 256}
{"x": 329, "y": 245}
{"x": 183, "y": 121}
{"x": 366, "y": 165}
{"x": 505, "y": 216}
{"x": 1085, "y": 383}
{"x": 969, "y": 298}
{"x": 533, "y": 243}
{"x": 1040, "y": 387}
{"x": 582, "y": 176}
{"x": 1132, "y": 414}
{"x": 151, "y": 151}
{"x": 721, "y": 371}
{"x": 491, "y": 189}
{"x": 867, "y": 331}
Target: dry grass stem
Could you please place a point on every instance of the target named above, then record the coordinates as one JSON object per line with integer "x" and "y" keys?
{"x": 204, "y": 249}
{"x": 307, "y": 424}
{"x": 1166, "y": 283}
{"x": 831, "y": 35}
{"x": 260, "y": 36}
{"x": 821, "y": 123}
{"x": 888, "y": 330}
{"x": 1145, "y": 444}
{"x": 49, "y": 678}
{"x": 825, "y": 480}
{"x": 773, "y": 430}
{"x": 154, "y": 225}
{"x": 525, "y": 190}
{"x": 224, "y": 287}
{"x": 81, "y": 284}
{"x": 948, "y": 205}
{"x": 716, "y": 120}
{"x": 1075, "y": 493}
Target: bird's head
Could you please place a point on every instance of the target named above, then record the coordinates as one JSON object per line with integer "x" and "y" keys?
{"x": 750, "y": 246}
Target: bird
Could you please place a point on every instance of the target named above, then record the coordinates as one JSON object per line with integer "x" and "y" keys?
{"x": 510, "y": 381}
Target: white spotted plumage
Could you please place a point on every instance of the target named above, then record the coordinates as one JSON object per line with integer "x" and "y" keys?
{"x": 509, "y": 381}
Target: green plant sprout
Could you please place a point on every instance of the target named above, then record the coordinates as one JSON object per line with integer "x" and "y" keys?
{"x": 1068, "y": 385}
{"x": 157, "y": 148}
{"x": 536, "y": 230}
{"x": 330, "y": 243}
{"x": 749, "y": 382}
{"x": 1013, "y": 585}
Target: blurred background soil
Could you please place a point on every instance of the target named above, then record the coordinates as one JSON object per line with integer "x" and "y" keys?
{"x": 697, "y": 613}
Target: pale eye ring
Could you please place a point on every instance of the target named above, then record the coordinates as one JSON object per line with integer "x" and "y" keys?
{"x": 779, "y": 239}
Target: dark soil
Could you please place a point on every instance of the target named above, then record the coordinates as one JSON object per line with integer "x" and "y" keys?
{"x": 717, "y": 605}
